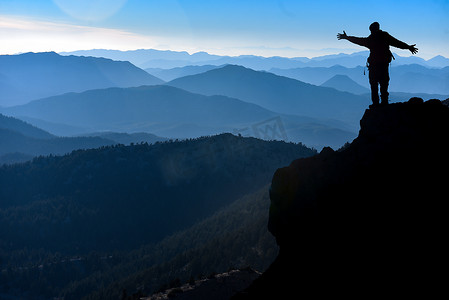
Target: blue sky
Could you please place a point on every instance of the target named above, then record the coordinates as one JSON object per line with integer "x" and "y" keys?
{"x": 261, "y": 27}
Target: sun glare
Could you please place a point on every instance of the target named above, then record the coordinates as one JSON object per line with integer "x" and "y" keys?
{"x": 90, "y": 10}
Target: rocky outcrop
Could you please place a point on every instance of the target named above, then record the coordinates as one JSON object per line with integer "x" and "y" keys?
{"x": 369, "y": 219}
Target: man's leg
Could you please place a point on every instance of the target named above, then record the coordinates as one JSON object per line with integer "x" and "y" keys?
{"x": 373, "y": 81}
{"x": 383, "y": 81}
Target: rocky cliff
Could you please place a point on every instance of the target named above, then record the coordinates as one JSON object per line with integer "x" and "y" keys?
{"x": 369, "y": 219}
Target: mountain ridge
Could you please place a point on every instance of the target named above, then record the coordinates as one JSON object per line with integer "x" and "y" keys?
{"x": 411, "y": 78}
{"x": 151, "y": 58}
{"x": 175, "y": 113}
{"x": 20, "y": 141}
{"x": 345, "y": 84}
{"x": 277, "y": 93}
{"x": 29, "y": 76}
{"x": 23, "y": 127}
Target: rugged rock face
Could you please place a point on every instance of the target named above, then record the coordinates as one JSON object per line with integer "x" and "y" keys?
{"x": 369, "y": 219}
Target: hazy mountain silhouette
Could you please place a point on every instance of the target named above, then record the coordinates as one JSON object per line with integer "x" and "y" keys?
{"x": 23, "y": 128}
{"x": 359, "y": 59}
{"x": 418, "y": 79}
{"x": 319, "y": 75}
{"x": 57, "y": 129}
{"x": 345, "y": 84}
{"x": 31, "y": 76}
{"x": 365, "y": 219}
{"x": 266, "y": 63}
{"x": 20, "y": 141}
{"x": 438, "y": 61}
{"x": 142, "y": 107}
{"x": 276, "y": 93}
{"x": 172, "y": 112}
{"x": 410, "y": 79}
{"x": 150, "y": 58}
{"x": 12, "y": 142}
{"x": 171, "y": 74}
{"x": 342, "y": 59}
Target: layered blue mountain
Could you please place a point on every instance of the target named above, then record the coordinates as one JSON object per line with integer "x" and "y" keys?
{"x": 172, "y": 112}
{"x": 20, "y": 141}
{"x": 419, "y": 79}
{"x": 438, "y": 61}
{"x": 412, "y": 78}
{"x": 345, "y": 84}
{"x": 171, "y": 74}
{"x": 31, "y": 76}
{"x": 19, "y": 126}
{"x": 151, "y": 58}
{"x": 319, "y": 75}
{"x": 276, "y": 93}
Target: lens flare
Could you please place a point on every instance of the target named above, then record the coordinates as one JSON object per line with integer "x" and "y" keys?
{"x": 90, "y": 10}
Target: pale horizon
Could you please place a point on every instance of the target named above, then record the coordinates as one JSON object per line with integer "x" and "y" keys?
{"x": 269, "y": 28}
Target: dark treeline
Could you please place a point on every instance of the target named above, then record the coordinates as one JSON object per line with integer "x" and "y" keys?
{"x": 70, "y": 218}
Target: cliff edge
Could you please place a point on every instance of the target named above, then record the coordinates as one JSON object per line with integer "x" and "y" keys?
{"x": 369, "y": 219}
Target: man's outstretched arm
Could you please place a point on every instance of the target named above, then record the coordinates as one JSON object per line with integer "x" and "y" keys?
{"x": 356, "y": 40}
{"x": 399, "y": 44}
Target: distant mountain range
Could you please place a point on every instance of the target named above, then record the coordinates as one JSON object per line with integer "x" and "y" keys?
{"x": 404, "y": 78}
{"x": 319, "y": 106}
{"x": 345, "y": 84}
{"x": 171, "y": 74}
{"x": 172, "y": 112}
{"x": 20, "y": 141}
{"x": 140, "y": 108}
{"x": 319, "y": 75}
{"x": 31, "y": 76}
{"x": 150, "y": 58}
{"x": 419, "y": 79}
{"x": 412, "y": 78}
{"x": 276, "y": 93}
{"x": 13, "y": 124}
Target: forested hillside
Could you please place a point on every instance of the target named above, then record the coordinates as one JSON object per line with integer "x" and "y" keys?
{"x": 123, "y": 197}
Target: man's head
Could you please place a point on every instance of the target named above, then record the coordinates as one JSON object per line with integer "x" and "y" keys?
{"x": 374, "y": 27}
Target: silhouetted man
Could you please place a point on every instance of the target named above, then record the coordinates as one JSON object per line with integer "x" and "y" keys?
{"x": 378, "y": 42}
